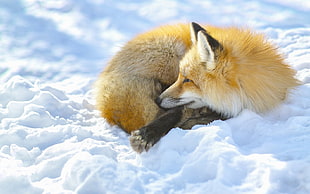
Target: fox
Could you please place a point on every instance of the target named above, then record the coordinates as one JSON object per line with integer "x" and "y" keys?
{"x": 228, "y": 70}
{"x": 187, "y": 74}
{"x": 127, "y": 90}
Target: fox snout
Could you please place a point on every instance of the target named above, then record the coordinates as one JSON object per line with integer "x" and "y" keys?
{"x": 167, "y": 102}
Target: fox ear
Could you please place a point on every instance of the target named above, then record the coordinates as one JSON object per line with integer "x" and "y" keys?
{"x": 207, "y": 47}
{"x": 194, "y": 29}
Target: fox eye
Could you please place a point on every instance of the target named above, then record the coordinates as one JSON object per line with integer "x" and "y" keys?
{"x": 186, "y": 80}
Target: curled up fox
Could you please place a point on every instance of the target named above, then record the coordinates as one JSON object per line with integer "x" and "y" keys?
{"x": 186, "y": 74}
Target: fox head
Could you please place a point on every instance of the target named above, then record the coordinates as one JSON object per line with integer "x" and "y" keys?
{"x": 238, "y": 70}
{"x": 203, "y": 79}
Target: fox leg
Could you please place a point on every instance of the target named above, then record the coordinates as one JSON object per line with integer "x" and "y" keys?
{"x": 144, "y": 138}
{"x": 201, "y": 116}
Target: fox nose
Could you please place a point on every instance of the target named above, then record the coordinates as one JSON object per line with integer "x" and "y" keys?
{"x": 158, "y": 101}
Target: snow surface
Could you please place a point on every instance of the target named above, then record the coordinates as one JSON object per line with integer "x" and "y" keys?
{"x": 52, "y": 140}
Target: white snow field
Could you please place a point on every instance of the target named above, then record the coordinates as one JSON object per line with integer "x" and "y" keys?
{"x": 52, "y": 140}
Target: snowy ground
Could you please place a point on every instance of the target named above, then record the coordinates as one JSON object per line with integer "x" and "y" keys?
{"x": 53, "y": 141}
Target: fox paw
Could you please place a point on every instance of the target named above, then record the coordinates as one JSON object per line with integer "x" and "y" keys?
{"x": 139, "y": 143}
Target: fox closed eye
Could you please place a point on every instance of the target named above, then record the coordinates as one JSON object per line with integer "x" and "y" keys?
{"x": 186, "y": 80}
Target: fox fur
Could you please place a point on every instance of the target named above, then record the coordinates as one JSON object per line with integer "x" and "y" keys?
{"x": 181, "y": 75}
{"x": 228, "y": 70}
{"x": 135, "y": 77}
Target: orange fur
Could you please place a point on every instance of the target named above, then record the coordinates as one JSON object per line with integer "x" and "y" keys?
{"x": 249, "y": 74}
{"x": 126, "y": 90}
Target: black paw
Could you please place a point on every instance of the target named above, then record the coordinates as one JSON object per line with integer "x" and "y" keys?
{"x": 144, "y": 138}
{"x": 139, "y": 142}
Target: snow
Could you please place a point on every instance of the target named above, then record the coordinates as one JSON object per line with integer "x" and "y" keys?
{"x": 52, "y": 140}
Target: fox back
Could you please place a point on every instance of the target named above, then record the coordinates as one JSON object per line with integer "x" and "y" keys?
{"x": 136, "y": 75}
